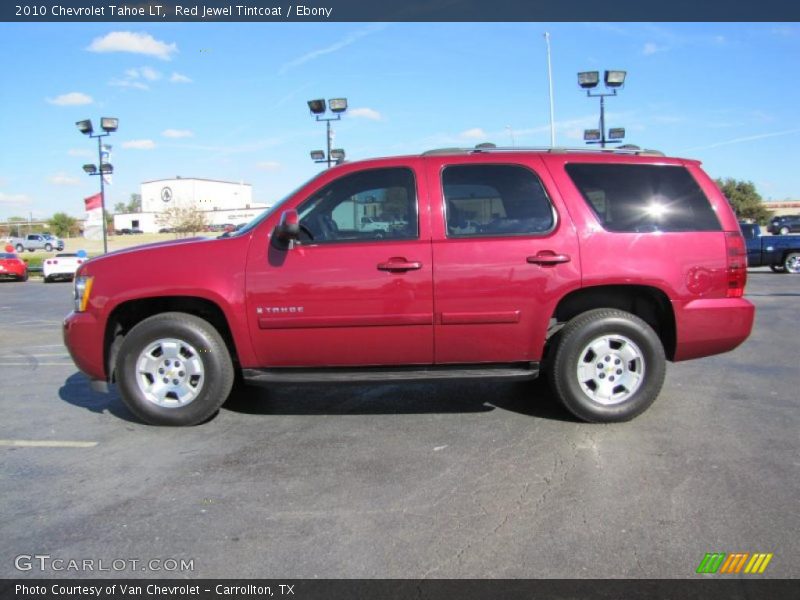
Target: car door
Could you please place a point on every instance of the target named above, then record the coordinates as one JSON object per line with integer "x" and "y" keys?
{"x": 504, "y": 252}
{"x": 342, "y": 296}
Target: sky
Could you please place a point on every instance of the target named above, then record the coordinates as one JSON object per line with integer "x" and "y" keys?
{"x": 227, "y": 101}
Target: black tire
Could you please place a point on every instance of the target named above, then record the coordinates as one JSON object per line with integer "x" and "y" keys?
{"x": 47, "y": 280}
{"x": 218, "y": 372}
{"x": 792, "y": 263}
{"x": 20, "y": 248}
{"x": 572, "y": 350}
{"x": 48, "y": 247}
{"x": 24, "y": 277}
{"x": 777, "y": 268}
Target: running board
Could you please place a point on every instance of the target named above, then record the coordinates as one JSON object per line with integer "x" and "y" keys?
{"x": 513, "y": 371}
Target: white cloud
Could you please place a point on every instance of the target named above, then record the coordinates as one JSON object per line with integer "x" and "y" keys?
{"x": 138, "y": 85}
{"x": 136, "y": 43}
{"x": 269, "y": 165}
{"x": 63, "y": 179}
{"x": 365, "y": 113}
{"x": 179, "y": 78}
{"x": 14, "y": 199}
{"x": 651, "y": 48}
{"x": 177, "y": 133}
{"x": 476, "y": 133}
{"x": 343, "y": 43}
{"x": 71, "y": 99}
{"x": 80, "y": 152}
{"x": 135, "y": 78}
{"x": 139, "y": 144}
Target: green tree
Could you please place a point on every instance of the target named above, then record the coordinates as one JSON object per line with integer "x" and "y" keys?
{"x": 183, "y": 220}
{"x": 62, "y": 224}
{"x": 744, "y": 199}
{"x": 135, "y": 205}
{"x": 120, "y": 207}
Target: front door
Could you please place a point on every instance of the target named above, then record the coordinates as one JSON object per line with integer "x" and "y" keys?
{"x": 347, "y": 294}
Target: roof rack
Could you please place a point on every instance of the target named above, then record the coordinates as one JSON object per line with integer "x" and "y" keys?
{"x": 628, "y": 149}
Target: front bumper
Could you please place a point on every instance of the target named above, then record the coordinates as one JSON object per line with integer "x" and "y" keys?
{"x": 83, "y": 337}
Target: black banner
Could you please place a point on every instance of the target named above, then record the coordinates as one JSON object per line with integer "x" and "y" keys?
{"x": 407, "y": 10}
{"x": 359, "y": 589}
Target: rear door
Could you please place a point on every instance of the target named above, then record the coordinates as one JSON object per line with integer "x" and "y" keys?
{"x": 504, "y": 251}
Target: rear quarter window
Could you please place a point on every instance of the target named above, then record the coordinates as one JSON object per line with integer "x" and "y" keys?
{"x": 644, "y": 198}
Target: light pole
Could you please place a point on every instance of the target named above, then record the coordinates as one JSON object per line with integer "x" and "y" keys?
{"x": 613, "y": 81}
{"x": 108, "y": 125}
{"x": 317, "y": 107}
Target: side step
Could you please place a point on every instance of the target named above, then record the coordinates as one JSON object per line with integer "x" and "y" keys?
{"x": 529, "y": 370}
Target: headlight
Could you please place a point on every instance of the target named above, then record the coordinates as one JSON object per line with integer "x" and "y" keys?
{"x": 83, "y": 288}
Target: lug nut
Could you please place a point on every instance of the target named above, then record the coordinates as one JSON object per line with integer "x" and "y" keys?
{"x": 166, "y": 362}
{"x": 181, "y": 373}
{"x": 611, "y": 378}
{"x": 608, "y": 358}
{"x": 602, "y": 375}
{"x": 619, "y": 371}
{"x": 166, "y": 380}
{"x": 161, "y": 371}
{"x": 174, "y": 382}
{"x": 616, "y": 362}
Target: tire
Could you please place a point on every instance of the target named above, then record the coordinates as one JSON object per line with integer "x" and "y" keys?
{"x": 47, "y": 279}
{"x": 597, "y": 347}
{"x": 48, "y": 247}
{"x": 792, "y": 263}
{"x": 784, "y": 231}
{"x": 20, "y": 248}
{"x": 777, "y": 268}
{"x": 187, "y": 349}
{"x": 24, "y": 277}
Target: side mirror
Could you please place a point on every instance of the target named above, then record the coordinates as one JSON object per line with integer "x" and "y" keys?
{"x": 287, "y": 230}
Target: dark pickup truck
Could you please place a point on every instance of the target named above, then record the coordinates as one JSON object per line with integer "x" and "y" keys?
{"x": 781, "y": 253}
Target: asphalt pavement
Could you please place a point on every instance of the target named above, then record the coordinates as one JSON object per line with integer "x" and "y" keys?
{"x": 440, "y": 480}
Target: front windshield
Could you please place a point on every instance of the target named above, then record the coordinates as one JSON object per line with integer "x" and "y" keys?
{"x": 267, "y": 212}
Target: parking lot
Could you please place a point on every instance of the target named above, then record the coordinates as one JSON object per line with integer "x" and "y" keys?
{"x": 444, "y": 480}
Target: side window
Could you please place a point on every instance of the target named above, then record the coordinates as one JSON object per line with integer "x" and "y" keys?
{"x": 642, "y": 198}
{"x": 491, "y": 200}
{"x": 378, "y": 204}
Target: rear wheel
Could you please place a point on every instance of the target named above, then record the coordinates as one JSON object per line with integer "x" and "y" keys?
{"x": 174, "y": 369}
{"x": 48, "y": 247}
{"x": 784, "y": 231}
{"x": 608, "y": 366}
{"x": 47, "y": 279}
{"x": 20, "y": 247}
{"x": 792, "y": 263}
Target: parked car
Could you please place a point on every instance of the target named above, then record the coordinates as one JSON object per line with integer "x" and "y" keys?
{"x": 136, "y": 231}
{"x": 781, "y": 253}
{"x": 123, "y": 231}
{"x": 167, "y": 230}
{"x": 580, "y": 272}
{"x": 11, "y": 266}
{"x": 62, "y": 266}
{"x": 37, "y": 241}
{"x": 784, "y": 225}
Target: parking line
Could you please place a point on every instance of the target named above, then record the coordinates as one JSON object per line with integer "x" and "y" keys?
{"x": 38, "y": 364}
{"x": 47, "y": 444}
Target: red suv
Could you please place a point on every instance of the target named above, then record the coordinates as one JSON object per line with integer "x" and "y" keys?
{"x": 596, "y": 267}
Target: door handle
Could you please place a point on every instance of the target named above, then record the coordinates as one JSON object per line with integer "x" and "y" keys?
{"x": 399, "y": 265}
{"x": 548, "y": 259}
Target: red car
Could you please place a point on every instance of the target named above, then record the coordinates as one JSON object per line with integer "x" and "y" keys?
{"x": 593, "y": 267}
{"x": 12, "y": 266}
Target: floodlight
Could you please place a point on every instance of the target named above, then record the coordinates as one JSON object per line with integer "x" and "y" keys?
{"x": 589, "y": 79}
{"x": 85, "y": 126}
{"x": 614, "y": 79}
{"x": 616, "y": 133}
{"x": 317, "y": 155}
{"x": 109, "y": 124}
{"x": 90, "y": 169}
{"x": 591, "y": 135}
{"x": 316, "y": 106}
{"x": 106, "y": 168}
{"x": 337, "y": 105}
{"x": 337, "y": 154}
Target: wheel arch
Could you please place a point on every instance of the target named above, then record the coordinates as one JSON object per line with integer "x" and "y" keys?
{"x": 127, "y": 314}
{"x": 649, "y": 303}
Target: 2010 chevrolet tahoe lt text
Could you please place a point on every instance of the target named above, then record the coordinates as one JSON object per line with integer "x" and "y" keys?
{"x": 596, "y": 267}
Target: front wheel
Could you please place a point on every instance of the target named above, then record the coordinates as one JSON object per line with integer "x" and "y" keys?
{"x": 174, "y": 369}
{"x": 608, "y": 366}
{"x": 48, "y": 247}
{"x": 792, "y": 263}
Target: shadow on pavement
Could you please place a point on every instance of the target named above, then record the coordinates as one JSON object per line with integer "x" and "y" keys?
{"x": 76, "y": 391}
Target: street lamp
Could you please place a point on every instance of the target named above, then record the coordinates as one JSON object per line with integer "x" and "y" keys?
{"x": 317, "y": 107}
{"x": 109, "y": 125}
{"x": 612, "y": 80}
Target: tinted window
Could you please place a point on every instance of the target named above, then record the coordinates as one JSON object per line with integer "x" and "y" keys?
{"x": 485, "y": 200}
{"x": 640, "y": 198}
{"x": 379, "y": 204}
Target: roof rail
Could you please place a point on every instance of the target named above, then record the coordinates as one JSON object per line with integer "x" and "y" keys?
{"x": 483, "y": 148}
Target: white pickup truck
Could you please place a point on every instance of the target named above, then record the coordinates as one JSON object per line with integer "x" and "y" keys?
{"x": 37, "y": 241}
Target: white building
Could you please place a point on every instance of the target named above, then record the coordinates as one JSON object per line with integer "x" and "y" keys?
{"x": 222, "y": 202}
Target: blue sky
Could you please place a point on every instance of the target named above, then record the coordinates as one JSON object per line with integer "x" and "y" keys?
{"x": 228, "y": 101}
